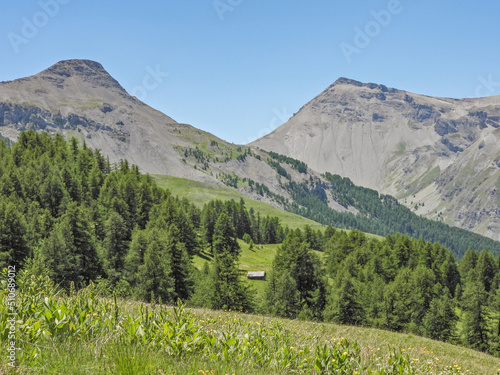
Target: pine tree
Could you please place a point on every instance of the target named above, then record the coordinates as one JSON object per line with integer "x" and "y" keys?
{"x": 450, "y": 274}
{"x": 467, "y": 263}
{"x": 181, "y": 269}
{"x": 115, "y": 246}
{"x": 344, "y": 305}
{"x": 494, "y": 304}
{"x": 296, "y": 259}
{"x": 59, "y": 255}
{"x": 154, "y": 275}
{"x": 475, "y": 325}
{"x": 282, "y": 296}
{"x": 13, "y": 247}
{"x": 486, "y": 268}
{"x": 224, "y": 237}
{"x": 229, "y": 292}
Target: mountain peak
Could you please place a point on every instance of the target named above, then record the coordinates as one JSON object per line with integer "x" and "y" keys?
{"x": 370, "y": 85}
{"x": 89, "y": 71}
{"x": 347, "y": 81}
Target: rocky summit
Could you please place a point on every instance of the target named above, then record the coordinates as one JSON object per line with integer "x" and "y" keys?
{"x": 439, "y": 156}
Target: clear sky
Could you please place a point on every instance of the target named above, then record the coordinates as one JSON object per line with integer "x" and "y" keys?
{"x": 240, "y": 68}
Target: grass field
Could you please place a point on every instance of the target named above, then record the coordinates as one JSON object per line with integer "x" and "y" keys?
{"x": 81, "y": 334}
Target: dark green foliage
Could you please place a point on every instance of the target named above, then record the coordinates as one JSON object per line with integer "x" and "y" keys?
{"x": 261, "y": 230}
{"x": 224, "y": 237}
{"x": 13, "y": 247}
{"x": 300, "y": 166}
{"x": 66, "y": 212}
{"x": 227, "y": 290}
{"x": 115, "y": 246}
{"x": 440, "y": 319}
{"x": 296, "y": 265}
{"x": 475, "y": 328}
{"x": 380, "y": 214}
{"x": 344, "y": 304}
{"x": 277, "y": 166}
{"x": 486, "y": 268}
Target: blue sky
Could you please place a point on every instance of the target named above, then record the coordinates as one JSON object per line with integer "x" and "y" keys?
{"x": 240, "y": 68}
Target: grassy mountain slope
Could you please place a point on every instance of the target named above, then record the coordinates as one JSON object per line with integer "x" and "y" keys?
{"x": 125, "y": 337}
{"x": 200, "y": 193}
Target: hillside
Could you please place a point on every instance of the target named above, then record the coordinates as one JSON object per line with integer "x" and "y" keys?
{"x": 195, "y": 341}
{"x": 201, "y": 193}
{"x": 439, "y": 156}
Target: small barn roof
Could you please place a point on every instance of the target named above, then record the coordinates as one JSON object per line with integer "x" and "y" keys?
{"x": 256, "y": 274}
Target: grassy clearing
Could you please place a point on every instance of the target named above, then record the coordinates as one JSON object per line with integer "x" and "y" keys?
{"x": 200, "y": 193}
{"x": 81, "y": 333}
{"x": 260, "y": 258}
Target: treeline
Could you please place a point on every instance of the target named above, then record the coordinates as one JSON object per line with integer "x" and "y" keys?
{"x": 398, "y": 218}
{"x": 397, "y": 283}
{"x": 67, "y": 212}
{"x": 298, "y": 165}
{"x": 378, "y": 214}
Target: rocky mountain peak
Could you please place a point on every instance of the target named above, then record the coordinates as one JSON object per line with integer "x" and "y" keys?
{"x": 369, "y": 85}
{"x": 87, "y": 70}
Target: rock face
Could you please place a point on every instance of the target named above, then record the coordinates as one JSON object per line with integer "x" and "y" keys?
{"x": 439, "y": 156}
{"x": 79, "y": 98}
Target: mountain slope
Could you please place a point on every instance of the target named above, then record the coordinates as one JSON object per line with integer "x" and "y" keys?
{"x": 440, "y": 156}
{"x": 79, "y": 98}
